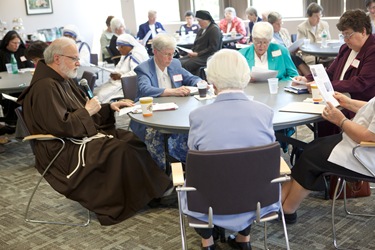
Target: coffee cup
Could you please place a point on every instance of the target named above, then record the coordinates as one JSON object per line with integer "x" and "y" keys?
{"x": 202, "y": 89}
{"x": 9, "y": 68}
{"x": 316, "y": 97}
{"x": 146, "y": 105}
{"x": 273, "y": 84}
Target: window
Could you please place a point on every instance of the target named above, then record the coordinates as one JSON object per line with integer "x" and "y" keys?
{"x": 162, "y": 7}
{"x": 212, "y": 6}
{"x": 285, "y": 10}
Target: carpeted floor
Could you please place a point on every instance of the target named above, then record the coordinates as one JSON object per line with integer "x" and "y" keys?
{"x": 151, "y": 228}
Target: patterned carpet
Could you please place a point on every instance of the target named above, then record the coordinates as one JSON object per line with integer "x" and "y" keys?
{"x": 150, "y": 228}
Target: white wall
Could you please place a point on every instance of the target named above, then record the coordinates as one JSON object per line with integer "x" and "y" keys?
{"x": 88, "y": 15}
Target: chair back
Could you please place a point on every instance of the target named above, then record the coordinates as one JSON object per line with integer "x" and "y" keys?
{"x": 91, "y": 79}
{"x": 129, "y": 87}
{"x": 94, "y": 59}
{"x": 233, "y": 181}
{"x": 21, "y": 121}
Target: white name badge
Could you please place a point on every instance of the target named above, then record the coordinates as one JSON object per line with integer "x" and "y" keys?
{"x": 194, "y": 27}
{"x": 177, "y": 78}
{"x": 158, "y": 30}
{"x": 355, "y": 63}
{"x": 23, "y": 59}
{"x": 276, "y": 53}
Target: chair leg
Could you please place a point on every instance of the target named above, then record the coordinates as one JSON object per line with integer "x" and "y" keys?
{"x": 284, "y": 227}
{"x": 27, "y": 219}
{"x": 182, "y": 223}
{"x": 265, "y": 236}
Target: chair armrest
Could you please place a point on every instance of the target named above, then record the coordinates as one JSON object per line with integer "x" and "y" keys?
{"x": 367, "y": 144}
{"x": 39, "y": 137}
{"x": 177, "y": 174}
{"x": 284, "y": 168}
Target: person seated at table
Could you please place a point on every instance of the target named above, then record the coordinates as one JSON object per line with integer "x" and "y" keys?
{"x": 34, "y": 52}
{"x": 105, "y": 38}
{"x": 71, "y": 31}
{"x": 132, "y": 54}
{"x": 148, "y": 30}
{"x": 229, "y": 73}
{"x": 312, "y": 28}
{"x": 281, "y": 36}
{"x": 353, "y": 69}
{"x": 107, "y": 170}
{"x": 118, "y": 28}
{"x": 12, "y": 43}
{"x": 265, "y": 54}
{"x": 252, "y": 15}
{"x": 231, "y": 23}
{"x": 162, "y": 75}
{"x": 189, "y": 25}
{"x": 370, "y": 6}
{"x": 330, "y": 154}
{"x": 208, "y": 40}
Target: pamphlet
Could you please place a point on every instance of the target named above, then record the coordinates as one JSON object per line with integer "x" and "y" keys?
{"x": 294, "y": 46}
{"x": 324, "y": 84}
{"x": 156, "y": 107}
{"x": 185, "y": 49}
{"x": 304, "y": 107}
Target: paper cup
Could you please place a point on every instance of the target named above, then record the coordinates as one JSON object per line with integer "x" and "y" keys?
{"x": 273, "y": 84}
{"x": 316, "y": 97}
{"x": 202, "y": 89}
{"x": 146, "y": 105}
{"x": 9, "y": 68}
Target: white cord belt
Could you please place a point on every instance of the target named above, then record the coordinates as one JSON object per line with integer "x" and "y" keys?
{"x": 82, "y": 147}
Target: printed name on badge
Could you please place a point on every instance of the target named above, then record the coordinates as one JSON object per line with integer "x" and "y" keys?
{"x": 177, "y": 78}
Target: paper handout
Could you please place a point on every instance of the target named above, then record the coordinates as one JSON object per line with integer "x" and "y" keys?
{"x": 185, "y": 49}
{"x": 261, "y": 74}
{"x": 156, "y": 107}
{"x": 294, "y": 46}
{"x": 303, "y": 107}
{"x": 324, "y": 84}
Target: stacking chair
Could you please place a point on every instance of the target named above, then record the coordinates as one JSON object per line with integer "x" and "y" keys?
{"x": 129, "y": 87}
{"x": 91, "y": 79}
{"x": 44, "y": 137}
{"x": 359, "y": 152}
{"x": 213, "y": 180}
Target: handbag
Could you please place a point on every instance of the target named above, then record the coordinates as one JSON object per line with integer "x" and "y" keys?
{"x": 354, "y": 189}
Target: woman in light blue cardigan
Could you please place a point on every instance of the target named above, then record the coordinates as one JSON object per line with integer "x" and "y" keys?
{"x": 264, "y": 54}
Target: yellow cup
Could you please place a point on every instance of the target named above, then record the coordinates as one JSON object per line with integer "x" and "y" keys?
{"x": 146, "y": 105}
{"x": 315, "y": 93}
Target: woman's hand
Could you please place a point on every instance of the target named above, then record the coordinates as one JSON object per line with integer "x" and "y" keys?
{"x": 181, "y": 91}
{"x": 192, "y": 54}
{"x": 332, "y": 114}
{"x": 93, "y": 105}
{"x": 120, "y": 104}
{"x": 343, "y": 100}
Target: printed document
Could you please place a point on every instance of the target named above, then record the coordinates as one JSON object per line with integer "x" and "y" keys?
{"x": 261, "y": 74}
{"x": 324, "y": 84}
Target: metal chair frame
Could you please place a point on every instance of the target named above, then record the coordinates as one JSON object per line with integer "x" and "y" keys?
{"x": 45, "y": 137}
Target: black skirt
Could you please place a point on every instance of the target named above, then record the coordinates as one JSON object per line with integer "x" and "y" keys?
{"x": 313, "y": 163}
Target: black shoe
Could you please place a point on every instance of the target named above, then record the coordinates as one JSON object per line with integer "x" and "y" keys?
{"x": 7, "y": 130}
{"x": 289, "y": 218}
{"x": 238, "y": 245}
{"x": 212, "y": 247}
{"x": 218, "y": 233}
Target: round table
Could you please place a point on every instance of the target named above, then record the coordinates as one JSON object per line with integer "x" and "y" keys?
{"x": 177, "y": 121}
{"x": 317, "y": 50}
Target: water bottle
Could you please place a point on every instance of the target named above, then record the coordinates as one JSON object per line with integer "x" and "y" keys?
{"x": 182, "y": 31}
{"x": 324, "y": 39}
{"x": 13, "y": 61}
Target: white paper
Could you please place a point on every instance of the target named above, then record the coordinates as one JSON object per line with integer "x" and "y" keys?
{"x": 324, "y": 84}
{"x": 9, "y": 97}
{"x": 294, "y": 46}
{"x": 261, "y": 75}
{"x": 193, "y": 90}
{"x": 185, "y": 49}
{"x": 156, "y": 107}
{"x": 104, "y": 68}
{"x": 304, "y": 107}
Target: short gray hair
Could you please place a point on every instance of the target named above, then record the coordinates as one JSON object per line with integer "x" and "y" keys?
{"x": 58, "y": 46}
{"x": 251, "y": 10}
{"x": 273, "y": 17}
{"x": 263, "y": 30}
{"x": 116, "y": 23}
{"x": 228, "y": 69}
{"x": 230, "y": 10}
{"x": 163, "y": 41}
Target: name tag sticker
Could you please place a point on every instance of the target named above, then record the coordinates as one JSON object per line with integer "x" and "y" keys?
{"x": 23, "y": 59}
{"x": 177, "y": 78}
{"x": 276, "y": 53}
{"x": 158, "y": 30}
{"x": 355, "y": 63}
{"x": 194, "y": 27}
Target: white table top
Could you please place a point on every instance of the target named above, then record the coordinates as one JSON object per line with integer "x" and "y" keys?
{"x": 316, "y": 49}
{"x": 177, "y": 121}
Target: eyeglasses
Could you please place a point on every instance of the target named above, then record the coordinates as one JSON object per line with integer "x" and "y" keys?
{"x": 317, "y": 15}
{"x": 347, "y": 36}
{"x": 371, "y": 7}
{"x": 166, "y": 54}
{"x": 261, "y": 42}
{"x": 74, "y": 59}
